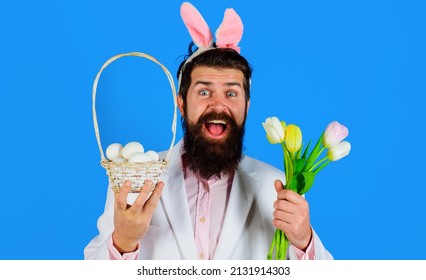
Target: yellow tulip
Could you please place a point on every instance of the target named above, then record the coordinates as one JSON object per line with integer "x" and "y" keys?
{"x": 293, "y": 138}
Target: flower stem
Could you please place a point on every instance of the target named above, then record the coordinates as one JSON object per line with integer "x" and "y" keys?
{"x": 283, "y": 146}
{"x": 277, "y": 247}
{"x": 285, "y": 164}
{"x": 283, "y": 247}
{"x": 289, "y": 168}
{"x": 322, "y": 149}
{"x": 271, "y": 248}
{"x": 316, "y": 164}
{"x": 321, "y": 167}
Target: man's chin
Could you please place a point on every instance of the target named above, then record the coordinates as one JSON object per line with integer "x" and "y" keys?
{"x": 217, "y": 144}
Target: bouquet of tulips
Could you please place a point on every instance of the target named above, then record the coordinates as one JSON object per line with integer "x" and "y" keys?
{"x": 300, "y": 165}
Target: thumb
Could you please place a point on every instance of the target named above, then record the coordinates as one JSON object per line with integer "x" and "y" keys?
{"x": 278, "y": 185}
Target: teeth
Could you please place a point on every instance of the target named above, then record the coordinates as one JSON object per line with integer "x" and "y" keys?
{"x": 218, "y": 121}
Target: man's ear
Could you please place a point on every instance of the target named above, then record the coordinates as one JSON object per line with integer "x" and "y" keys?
{"x": 180, "y": 104}
{"x": 248, "y": 105}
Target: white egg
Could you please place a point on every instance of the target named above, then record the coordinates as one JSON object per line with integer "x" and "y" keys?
{"x": 153, "y": 155}
{"x": 120, "y": 159}
{"x": 139, "y": 157}
{"x": 132, "y": 148}
{"x": 114, "y": 151}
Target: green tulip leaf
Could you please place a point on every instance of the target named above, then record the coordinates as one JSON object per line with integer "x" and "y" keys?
{"x": 315, "y": 153}
{"x": 289, "y": 168}
{"x": 305, "y": 153}
{"x": 294, "y": 183}
{"x": 306, "y": 180}
{"x": 299, "y": 152}
{"x": 300, "y": 163}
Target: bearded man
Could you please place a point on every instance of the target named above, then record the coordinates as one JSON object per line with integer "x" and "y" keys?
{"x": 213, "y": 202}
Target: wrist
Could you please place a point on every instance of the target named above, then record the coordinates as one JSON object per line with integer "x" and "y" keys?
{"x": 122, "y": 245}
{"x": 303, "y": 246}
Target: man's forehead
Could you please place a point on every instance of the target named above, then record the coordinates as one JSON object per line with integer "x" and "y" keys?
{"x": 206, "y": 75}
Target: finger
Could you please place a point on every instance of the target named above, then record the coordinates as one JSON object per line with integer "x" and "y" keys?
{"x": 152, "y": 202}
{"x": 281, "y": 215}
{"x": 280, "y": 224}
{"x": 286, "y": 221}
{"x": 288, "y": 228}
{"x": 142, "y": 197}
{"x": 289, "y": 218}
{"x": 286, "y": 206}
{"x": 121, "y": 197}
{"x": 278, "y": 186}
{"x": 291, "y": 213}
{"x": 292, "y": 225}
{"x": 297, "y": 204}
{"x": 291, "y": 196}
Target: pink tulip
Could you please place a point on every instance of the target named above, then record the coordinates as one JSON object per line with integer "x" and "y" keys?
{"x": 334, "y": 134}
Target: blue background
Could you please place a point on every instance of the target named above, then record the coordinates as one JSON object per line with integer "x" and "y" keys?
{"x": 359, "y": 62}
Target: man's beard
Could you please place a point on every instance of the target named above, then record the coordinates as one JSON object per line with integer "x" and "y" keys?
{"x": 210, "y": 157}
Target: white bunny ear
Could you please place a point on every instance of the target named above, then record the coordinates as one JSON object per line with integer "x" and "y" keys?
{"x": 197, "y": 26}
{"x": 230, "y": 31}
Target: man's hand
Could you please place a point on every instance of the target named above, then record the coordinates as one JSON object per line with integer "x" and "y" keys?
{"x": 132, "y": 222}
{"x": 291, "y": 215}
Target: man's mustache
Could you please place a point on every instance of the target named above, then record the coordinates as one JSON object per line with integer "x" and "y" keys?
{"x": 217, "y": 116}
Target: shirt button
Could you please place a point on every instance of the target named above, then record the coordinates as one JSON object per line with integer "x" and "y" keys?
{"x": 201, "y": 256}
{"x": 202, "y": 219}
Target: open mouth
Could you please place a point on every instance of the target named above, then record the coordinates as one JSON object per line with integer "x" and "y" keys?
{"x": 216, "y": 128}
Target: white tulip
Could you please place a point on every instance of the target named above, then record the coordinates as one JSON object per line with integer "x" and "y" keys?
{"x": 275, "y": 130}
{"x": 339, "y": 151}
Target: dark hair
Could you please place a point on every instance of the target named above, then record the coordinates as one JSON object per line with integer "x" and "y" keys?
{"x": 217, "y": 58}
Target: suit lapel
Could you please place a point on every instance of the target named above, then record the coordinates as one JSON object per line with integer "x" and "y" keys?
{"x": 175, "y": 204}
{"x": 240, "y": 202}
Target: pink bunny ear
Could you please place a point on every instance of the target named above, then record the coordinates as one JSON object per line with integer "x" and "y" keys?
{"x": 230, "y": 31}
{"x": 197, "y": 26}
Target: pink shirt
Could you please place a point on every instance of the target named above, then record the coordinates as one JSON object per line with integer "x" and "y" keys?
{"x": 203, "y": 196}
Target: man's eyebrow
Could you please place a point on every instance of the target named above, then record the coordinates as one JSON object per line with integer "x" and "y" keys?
{"x": 207, "y": 83}
{"x": 233, "y": 84}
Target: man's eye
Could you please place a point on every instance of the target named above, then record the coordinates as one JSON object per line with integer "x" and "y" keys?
{"x": 231, "y": 93}
{"x": 204, "y": 92}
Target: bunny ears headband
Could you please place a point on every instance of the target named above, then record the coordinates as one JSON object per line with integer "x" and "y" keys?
{"x": 228, "y": 35}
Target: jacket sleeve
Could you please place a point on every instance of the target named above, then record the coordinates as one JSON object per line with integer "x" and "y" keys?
{"x": 321, "y": 252}
{"x": 97, "y": 249}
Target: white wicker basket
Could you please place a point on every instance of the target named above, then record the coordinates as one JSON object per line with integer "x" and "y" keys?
{"x": 137, "y": 173}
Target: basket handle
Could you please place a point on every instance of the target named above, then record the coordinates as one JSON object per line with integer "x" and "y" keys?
{"x": 95, "y": 85}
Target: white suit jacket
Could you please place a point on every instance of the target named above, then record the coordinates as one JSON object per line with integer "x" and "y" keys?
{"x": 247, "y": 228}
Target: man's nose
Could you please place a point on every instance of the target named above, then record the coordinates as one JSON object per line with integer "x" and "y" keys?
{"x": 217, "y": 103}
